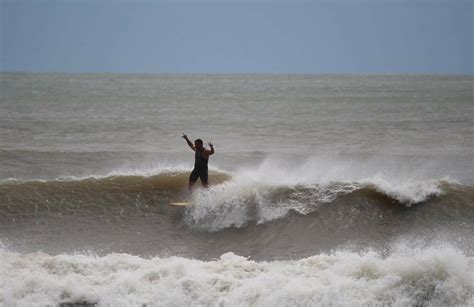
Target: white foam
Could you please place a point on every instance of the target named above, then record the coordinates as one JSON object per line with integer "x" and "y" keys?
{"x": 407, "y": 186}
{"x": 236, "y": 202}
{"x": 408, "y": 192}
{"x": 432, "y": 276}
{"x": 253, "y": 193}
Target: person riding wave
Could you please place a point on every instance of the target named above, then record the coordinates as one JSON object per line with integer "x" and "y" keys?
{"x": 201, "y": 160}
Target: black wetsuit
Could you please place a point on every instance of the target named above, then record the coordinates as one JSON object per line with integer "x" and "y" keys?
{"x": 200, "y": 168}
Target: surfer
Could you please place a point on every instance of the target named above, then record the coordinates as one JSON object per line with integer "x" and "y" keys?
{"x": 200, "y": 164}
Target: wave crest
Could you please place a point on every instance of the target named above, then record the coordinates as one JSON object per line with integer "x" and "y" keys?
{"x": 234, "y": 204}
{"x": 408, "y": 192}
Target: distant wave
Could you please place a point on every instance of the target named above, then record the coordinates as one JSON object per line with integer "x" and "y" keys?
{"x": 438, "y": 276}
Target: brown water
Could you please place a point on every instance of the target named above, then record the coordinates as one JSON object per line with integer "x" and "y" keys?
{"x": 305, "y": 167}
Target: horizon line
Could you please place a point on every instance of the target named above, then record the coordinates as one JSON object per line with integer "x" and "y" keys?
{"x": 244, "y": 73}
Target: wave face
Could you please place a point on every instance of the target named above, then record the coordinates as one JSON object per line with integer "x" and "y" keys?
{"x": 268, "y": 197}
{"x": 439, "y": 276}
{"x": 272, "y": 209}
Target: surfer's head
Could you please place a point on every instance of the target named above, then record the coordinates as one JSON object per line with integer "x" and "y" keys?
{"x": 198, "y": 144}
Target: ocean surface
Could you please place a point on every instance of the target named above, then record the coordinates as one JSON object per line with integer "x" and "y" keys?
{"x": 324, "y": 190}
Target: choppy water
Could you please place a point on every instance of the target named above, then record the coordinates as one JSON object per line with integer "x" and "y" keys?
{"x": 324, "y": 190}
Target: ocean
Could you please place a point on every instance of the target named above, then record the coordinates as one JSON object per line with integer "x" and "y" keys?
{"x": 331, "y": 190}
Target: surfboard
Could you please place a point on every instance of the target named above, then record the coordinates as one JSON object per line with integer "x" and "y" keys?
{"x": 180, "y": 204}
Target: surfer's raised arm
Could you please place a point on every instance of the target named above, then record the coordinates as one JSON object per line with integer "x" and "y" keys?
{"x": 189, "y": 142}
{"x": 210, "y": 152}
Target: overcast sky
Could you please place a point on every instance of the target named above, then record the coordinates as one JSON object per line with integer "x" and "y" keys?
{"x": 263, "y": 36}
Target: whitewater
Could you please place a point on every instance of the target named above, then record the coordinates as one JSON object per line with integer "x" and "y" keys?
{"x": 406, "y": 277}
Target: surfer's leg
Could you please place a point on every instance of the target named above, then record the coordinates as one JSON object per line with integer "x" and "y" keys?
{"x": 192, "y": 178}
{"x": 204, "y": 178}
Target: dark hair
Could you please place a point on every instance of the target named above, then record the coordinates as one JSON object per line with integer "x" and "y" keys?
{"x": 199, "y": 141}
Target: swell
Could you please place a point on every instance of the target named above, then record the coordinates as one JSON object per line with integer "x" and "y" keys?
{"x": 230, "y": 202}
{"x": 132, "y": 214}
{"x": 108, "y": 195}
{"x": 172, "y": 181}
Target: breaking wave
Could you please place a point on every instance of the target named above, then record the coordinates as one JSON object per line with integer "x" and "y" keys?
{"x": 234, "y": 204}
{"x": 258, "y": 195}
{"x": 437, "y": 276}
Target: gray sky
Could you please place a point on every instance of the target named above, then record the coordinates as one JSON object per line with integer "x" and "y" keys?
{"x": 313, "y": 37}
